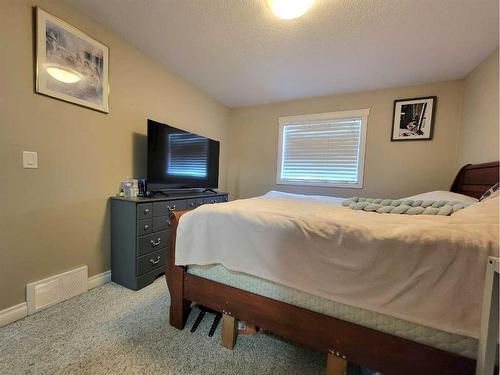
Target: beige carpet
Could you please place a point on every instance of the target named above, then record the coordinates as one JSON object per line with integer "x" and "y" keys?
{"x": 112, "y": 330}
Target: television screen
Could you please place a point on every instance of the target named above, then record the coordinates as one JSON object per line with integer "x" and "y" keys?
{"x": 179, "y": 159}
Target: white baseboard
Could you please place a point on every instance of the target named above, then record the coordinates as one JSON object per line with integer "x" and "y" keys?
{"x": 13, "y": 313}
{"x": 100, "y": 279}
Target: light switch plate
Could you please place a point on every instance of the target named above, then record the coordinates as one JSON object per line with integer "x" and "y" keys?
{"x": 30, "y": 159}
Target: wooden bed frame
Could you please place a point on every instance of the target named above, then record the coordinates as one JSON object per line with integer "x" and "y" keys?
{"x": 342, "y": 340}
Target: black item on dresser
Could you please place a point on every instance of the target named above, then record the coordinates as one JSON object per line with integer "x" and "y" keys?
{"x": 140, "y": 234}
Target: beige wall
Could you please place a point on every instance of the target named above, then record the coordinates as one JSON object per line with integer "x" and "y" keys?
{"x": 392, "y": 169}
{"x": 56, "y": 218}
{"x": 479, "y": 134}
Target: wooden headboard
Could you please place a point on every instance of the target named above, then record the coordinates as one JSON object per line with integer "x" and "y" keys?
{"x": 475, "y": 179}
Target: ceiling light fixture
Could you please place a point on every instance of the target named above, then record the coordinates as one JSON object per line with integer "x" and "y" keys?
{"x": 63, "y": 75}
{"x": 289, "y": 9}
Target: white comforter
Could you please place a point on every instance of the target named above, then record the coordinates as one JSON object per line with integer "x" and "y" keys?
{"x": 425, "y": 269}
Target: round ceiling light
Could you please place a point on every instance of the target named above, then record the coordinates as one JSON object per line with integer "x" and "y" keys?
{"x": 63, "y": 75}
{"x": 289, "y": 9}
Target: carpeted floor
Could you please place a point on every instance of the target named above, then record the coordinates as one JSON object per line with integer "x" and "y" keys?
{"x": 112, "y": 330}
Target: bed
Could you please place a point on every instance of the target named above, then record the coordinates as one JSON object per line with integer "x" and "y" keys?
{"x": 347, "y": 329}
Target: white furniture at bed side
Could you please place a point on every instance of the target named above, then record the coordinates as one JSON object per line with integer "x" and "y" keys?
{"x": 489, "y": 320}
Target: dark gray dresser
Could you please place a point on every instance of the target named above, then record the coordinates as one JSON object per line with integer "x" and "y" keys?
{"x": 140, "y": 234}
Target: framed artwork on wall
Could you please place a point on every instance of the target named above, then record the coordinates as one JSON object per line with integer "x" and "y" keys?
{"x": 70, "y": 65}
{"x": 413, "y": 119}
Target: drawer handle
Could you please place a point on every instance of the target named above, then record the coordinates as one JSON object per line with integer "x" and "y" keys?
{"x": 146, "y": 211}
{"x": 146, "y": 227}
{"x": 171, "y": 208}
{"x": 156, "y": 243}
{"x": 191, "y": 204}
{"x": 155, "y": 261}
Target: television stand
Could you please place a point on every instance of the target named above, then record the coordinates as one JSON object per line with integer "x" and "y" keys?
{"x": 210, "y": 190}
{"x": 176, "y": 192}
{"x": 161, "y": 192}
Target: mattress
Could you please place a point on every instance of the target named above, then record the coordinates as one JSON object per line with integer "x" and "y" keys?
{"x": 462, "y": 345}
{"x": 428, "y": 270}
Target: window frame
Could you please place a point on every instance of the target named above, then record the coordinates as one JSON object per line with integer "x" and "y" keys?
{"x": 357, "y": 113}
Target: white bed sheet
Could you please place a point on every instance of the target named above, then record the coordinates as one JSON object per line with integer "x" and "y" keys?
{"x": 425, "y": 269}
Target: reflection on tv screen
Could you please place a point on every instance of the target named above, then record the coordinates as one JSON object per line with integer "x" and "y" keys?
{"x": 187, "y": 155}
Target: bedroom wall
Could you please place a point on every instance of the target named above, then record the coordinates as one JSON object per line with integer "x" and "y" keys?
{"x": 479, "y": 133}
{"x": 56, "y": 218}
{"x": 392, "y": 169}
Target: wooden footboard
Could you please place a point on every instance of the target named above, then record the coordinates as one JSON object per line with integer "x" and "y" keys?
{"x": 179, "y": 306}
{"x": 340, "y": 339}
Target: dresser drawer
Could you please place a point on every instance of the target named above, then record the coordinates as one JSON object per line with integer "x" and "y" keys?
{"x": 164, "y": 208}
{"x": 220, "y": 199}
{"x": 144, "y": 227}
{"x": 210, "y": 200}
{"x": 144, "y": 211}
{"x": 152, "y": 242}
{"x": 150, "y": 261}
{"x": 191, "y": 203}
{"x": 161, "y": 223}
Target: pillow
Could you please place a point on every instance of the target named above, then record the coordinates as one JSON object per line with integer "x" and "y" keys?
{"x": 406, "y": 206}
{"x": 442, "y": 195}
{"x": 491, "y": 193}
{"x": 484, "y": 212}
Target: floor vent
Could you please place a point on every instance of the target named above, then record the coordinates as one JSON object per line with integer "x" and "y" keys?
{"x": 48, "y": 292}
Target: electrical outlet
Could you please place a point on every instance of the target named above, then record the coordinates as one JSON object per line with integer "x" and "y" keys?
{"x": 30, "y": 159}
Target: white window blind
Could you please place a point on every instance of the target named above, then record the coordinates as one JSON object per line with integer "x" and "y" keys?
{"x": 324, "y": 149}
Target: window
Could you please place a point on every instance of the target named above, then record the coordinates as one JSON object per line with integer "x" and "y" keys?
{"x": 324, "y": 149}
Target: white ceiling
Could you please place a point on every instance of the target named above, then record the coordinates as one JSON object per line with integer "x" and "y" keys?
{"x": 238, "y": 52}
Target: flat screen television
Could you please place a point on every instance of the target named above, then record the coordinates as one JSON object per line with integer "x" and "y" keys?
{"x": 178, "y": 159}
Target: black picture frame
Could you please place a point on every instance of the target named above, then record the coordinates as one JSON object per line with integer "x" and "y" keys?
{"x": 416, "y": 125}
